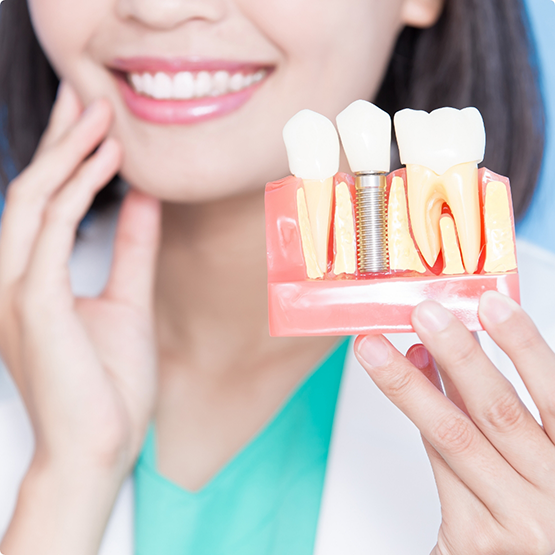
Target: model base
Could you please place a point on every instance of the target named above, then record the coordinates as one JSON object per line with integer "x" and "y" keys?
{"x": 377, "y": 305}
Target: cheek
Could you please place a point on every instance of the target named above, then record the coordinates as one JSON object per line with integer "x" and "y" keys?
{"x": 337, "y": 48}
{"x": 64, "y": 29}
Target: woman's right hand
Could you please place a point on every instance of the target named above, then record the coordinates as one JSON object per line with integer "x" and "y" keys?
{"x": 85, "y": 367}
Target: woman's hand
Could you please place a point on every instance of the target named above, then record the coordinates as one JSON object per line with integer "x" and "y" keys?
{"x": 494, "y": 464}
{"x": 85, "y": 367}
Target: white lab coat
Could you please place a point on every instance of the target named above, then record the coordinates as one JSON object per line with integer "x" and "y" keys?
{"x": 379, "y": 494}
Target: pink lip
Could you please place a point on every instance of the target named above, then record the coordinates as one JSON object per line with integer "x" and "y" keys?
{"x": 182, "y": 111}
{"x": 175, "y": 65}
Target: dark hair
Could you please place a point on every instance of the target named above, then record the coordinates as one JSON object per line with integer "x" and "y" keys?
{"x": 480, "y": 53}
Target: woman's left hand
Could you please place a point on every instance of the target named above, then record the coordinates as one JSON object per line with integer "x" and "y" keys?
{"x": 494, "y": 465}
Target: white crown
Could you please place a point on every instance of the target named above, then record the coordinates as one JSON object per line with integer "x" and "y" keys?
{"x": 441, "y": 139}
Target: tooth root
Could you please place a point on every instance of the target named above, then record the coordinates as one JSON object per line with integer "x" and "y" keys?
{"x": 427, "y": 192}
{"x": 452, "y": 262}
{"x": 461, "y": 184}
{"x": 500, "y": 246}
{"x": 344, "y": 232}
{"x": 425, "y": 205}
{"x": 319, "y": 195}
{"x": 312, "y": 268}
{"x": 402, "y": 252}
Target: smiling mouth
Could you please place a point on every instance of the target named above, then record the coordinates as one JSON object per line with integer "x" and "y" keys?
{"x": 186, "y": 85}
{"x": 186, "y": 90}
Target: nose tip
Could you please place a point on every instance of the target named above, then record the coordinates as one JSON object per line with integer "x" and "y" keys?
{"x": 168, "y": 14}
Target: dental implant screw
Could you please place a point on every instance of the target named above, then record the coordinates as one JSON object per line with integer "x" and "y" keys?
{"x": 371, "y": 216}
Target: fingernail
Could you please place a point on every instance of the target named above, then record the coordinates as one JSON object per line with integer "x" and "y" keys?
{"x": 432, "y": 316}
{"x": 374, "y": 350}
{"x": 419, "y": 357}
{"x": 496, "y": 308}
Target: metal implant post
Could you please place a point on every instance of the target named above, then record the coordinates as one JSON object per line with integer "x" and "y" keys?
{"x": 372, "y": 249}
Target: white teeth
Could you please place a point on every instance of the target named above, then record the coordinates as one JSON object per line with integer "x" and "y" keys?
{"x": 236, "y": 82}
{"x": 148, "y": 84}
{"x": 220, "y": 83}
{"x": 186, "y": 85}
{"x": 366, "y": 136}
{"x": 258, "y": 76}
{"x": 137, "y": 82}
{"x": 442, "y": 139}
{"x": 162, "y": 86}
{"x": 203, "y": 84}
{"x": 312, "y": 145}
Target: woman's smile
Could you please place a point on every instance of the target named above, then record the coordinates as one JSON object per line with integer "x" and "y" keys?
{"x": 182, "y": 90}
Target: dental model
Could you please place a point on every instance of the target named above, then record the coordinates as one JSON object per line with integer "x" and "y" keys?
{"x": 313, "y": 149}
{"x": 356, "y": 254}
{"x": 366, "y": 136}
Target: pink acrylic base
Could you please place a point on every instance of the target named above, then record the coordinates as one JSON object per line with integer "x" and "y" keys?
{"x": 377, "y": 305}
{"x": 346, "y": 305}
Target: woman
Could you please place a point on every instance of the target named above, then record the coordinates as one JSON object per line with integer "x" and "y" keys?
{"x": 178, "y": 335}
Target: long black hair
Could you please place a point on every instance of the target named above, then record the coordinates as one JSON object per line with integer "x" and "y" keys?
{"x": 480, "y": 53}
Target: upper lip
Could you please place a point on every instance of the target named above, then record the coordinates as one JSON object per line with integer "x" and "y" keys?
{"x": 175, "y": 65}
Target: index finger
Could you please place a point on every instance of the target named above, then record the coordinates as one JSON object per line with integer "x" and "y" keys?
{"x": 515, "y": 332}
{"x": 451, "y": 433}
{"x": 491, "y": 400}
{"x": 65, "y": 112}
{"x": 29, "y": 194}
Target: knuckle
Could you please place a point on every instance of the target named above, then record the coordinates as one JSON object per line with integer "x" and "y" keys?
{"x": 16, "y": 191}
{"x": 399, "y": 384}
{"x": 454, "y": 434}
{"x": 463, "y": 354}
{"x": 484, "y": 544}
{"x": 22, "y": 191}
{"x": 506, "y": 413}
{"x": 527, "y": 338}
{"x": 535, "y": 540}
{"x": 59, "y": 212}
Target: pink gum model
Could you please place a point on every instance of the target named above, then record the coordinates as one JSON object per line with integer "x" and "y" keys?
{"x": 361, "y": 303}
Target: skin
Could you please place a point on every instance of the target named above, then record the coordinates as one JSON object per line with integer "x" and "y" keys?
{"x": 191, "y": 349}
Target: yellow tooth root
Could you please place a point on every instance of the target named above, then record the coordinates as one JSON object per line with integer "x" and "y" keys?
{"x": 344, "y": 232}
{"x": 319, "y": 195}
{"x": 500, "y": 246}
{"x": 458, "y": 187}
{"x": 452, "y": 262}
{"x": 402, "y": 251}
{"x": 312, "y": 269}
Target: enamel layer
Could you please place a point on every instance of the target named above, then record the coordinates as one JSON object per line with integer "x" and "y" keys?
{"x": 441, "y": 151}
{"x": 365, "y": 132}
{"x": 186, "y": 85}
{"x": 312, "y": 146}
{"x": 441, "y": 139}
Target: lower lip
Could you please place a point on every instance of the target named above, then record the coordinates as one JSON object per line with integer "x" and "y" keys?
{"x": 182, "y": 111}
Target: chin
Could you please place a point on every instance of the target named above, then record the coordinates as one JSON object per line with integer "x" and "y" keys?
{"x": 185, "y": 174}
{"x": 188, "y": 185}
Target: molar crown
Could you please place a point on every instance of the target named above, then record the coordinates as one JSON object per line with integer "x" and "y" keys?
{"x": 441, "y": 139}
{"x": 365, "y": 133}
{"x": 312, "y": 145}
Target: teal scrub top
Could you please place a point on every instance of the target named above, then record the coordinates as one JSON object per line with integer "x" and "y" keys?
{"x": 265, "y": 500}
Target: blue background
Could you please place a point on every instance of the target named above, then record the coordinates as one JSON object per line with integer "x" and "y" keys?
{"x": 538, "y": 225}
